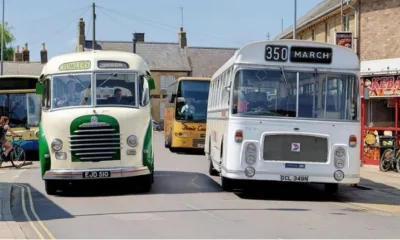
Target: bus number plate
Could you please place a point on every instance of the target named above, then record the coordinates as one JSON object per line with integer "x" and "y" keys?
{"x": 97, "y": 174}
{"x": 294, "y": 178}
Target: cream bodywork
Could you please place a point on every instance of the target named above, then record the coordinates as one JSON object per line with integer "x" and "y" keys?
{"x": 132, "y": 121}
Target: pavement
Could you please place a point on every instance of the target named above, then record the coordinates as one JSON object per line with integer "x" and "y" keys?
{"x": 9, "y": 229}
{"x": 185, "y": 195}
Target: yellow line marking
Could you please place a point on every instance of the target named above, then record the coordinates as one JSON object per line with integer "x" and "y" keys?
{"x": 35, "y": 214}
{"x": 26, "y": 213}
{"x": 363, "y": 209}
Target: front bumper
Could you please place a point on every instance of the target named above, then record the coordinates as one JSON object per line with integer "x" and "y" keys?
{"x": 77, "y": 174}
{"x": 263, "y": 175}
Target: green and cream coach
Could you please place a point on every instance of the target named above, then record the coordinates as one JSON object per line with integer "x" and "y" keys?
{"x": 96, "y": 119}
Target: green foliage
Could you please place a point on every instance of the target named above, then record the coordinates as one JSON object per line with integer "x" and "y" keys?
{"x": 8, "y": 39}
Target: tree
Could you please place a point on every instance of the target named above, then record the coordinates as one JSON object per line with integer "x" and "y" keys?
{"x": 8, "y": 39}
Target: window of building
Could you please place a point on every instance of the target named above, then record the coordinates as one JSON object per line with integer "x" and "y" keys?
{"x": 162, "y": 110}
{"x": 166, "y": 80}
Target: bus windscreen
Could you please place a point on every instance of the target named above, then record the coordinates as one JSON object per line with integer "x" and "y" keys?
{"x": 192, "y": 100}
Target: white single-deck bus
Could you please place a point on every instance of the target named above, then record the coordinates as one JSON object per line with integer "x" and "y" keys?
{"x": 96, "y": 121}
{"x": 286, "y": 110}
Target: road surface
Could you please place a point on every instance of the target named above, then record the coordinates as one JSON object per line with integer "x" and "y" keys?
{"x": 186, "y": 202}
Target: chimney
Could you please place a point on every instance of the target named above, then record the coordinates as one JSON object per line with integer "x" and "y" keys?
{"x": 17, "y": 55}
{"x": 25, "y": 53}
{"x": 43, "y": 54}
{"x": 81, "y": 36}
{"x": 137, "y": 37}
{"x": 182, "y": 41}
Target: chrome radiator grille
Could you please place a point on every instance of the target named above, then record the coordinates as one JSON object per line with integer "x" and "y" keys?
{"x": 95, "y": 142}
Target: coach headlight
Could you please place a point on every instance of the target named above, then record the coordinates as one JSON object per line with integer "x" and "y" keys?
{"x": 56, "y": 144}
{"x": 132, "y": 141}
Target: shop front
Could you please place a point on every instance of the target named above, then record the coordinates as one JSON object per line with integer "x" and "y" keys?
{"x": 380, "y": 115}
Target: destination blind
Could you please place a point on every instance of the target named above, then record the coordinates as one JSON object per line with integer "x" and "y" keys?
{"x": 296, "y": 54}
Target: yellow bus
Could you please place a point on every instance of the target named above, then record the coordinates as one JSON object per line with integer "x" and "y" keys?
{"x": 186, "y": 114}
{"x": 19, "y": 102}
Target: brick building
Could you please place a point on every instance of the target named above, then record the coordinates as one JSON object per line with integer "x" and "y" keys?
{"x": 167, "y": 61}
{"x": 374, "y": 24}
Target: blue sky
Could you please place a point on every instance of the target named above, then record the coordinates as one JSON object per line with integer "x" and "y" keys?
{"x": 218, "y": 23}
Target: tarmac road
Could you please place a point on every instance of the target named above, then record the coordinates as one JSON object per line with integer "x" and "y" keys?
{"x": 186, "y": 202}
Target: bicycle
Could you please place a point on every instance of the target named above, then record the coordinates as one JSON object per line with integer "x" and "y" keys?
{"x": 17, "y": 154}
{"x": 390, "y": 159}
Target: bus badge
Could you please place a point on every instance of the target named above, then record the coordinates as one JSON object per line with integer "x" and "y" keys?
{"x": 295, "y": 147}
{"x": 93, "y": 119}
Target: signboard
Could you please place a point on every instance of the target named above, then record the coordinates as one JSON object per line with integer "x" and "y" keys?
{"x": 311, "y": 55}
{"x": 78, "y": 65}
{"x": 278, "y": 53}
{"x": 386, "y": 86}
{"x": 112, "y": 64}
{"x": 344, "y": 39}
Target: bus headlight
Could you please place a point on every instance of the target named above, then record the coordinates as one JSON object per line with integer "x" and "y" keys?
{"x": 249, "y": 172}
{"x": 340, "y": 157}
{"x": 250, "y": 159}
{"x": 132, "y": 141}
{"x": 338, "y": 175}
{"x": 37, "y": 133}
{"x": 251, "y": 148}
{"x": 56, "y": 144}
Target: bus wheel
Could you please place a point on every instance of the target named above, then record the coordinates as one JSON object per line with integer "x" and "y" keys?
{"x": 145, "y": 183}
{"x": 211, "y": 170}
{"x": 331, "y": 188}
{"x": 226, "y": 184}
{"x": 51, "y": 187}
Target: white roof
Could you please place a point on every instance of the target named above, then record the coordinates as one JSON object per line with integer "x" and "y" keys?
{"x": 254, "y": 53}
{"x": 382, "y": 66}
{"x": 134, "y": 61}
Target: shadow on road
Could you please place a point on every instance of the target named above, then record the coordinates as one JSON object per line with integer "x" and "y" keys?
{"x": 44, "y": 207}
{"x": 279, "y": 191}
{"x": 165, "y": 182}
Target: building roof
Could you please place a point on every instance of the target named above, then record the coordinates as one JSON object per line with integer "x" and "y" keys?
{"x": 206, "y": 61}
{"x": 22, "y": 68}
{"x": 159, "y": 56}
{"x": 202, "y": 61}
{"x": 322, "y": 8}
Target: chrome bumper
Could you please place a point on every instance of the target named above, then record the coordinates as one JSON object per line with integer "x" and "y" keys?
{"x": 77, "y": 174}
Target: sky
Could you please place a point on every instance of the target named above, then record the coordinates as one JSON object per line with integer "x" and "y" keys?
{"x": 211, "y": 23}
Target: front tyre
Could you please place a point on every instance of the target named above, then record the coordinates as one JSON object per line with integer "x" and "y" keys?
{"x": 226, "y": 184}
{"x": 51, "y": 187}
{"x": 331, "y": 188}
{"x": 145, "y": 183}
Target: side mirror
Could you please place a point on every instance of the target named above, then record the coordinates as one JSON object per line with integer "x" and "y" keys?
{"x": 171, "y": 98}
{"x": 151, "y": 83}
{"x": 227, "y": 88}
{"x": 39, "y": 88}
{"x": 181, "y": 99}
{"x": 366, "y": 93}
